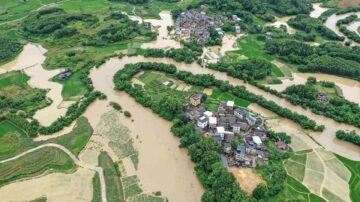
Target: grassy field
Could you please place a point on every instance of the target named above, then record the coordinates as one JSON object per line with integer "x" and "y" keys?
{"x": 114, "y": 189}
{"x": 13, "y": 10}
{"x": 354, "y": 183}
{"x": 76, "y": 140}
{"x": 212, "y": 102}
{"x": 250, "y": 47}
{"x": 73, "y": 88}
{"x": 14, "y": 78}
{"x": 13, "y": 85}
{"x": 96, "y": 188}
{"x": 35, "y": 164}
{"x": 14, "y": 141}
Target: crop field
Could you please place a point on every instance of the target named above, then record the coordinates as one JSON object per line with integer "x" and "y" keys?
{"x": 159, "y": 86}
{"x": 77, "y": 139}
{"x": 118, "y": 135}
{"x": 354, "y": 182}
{"x": 16, "y": 141}
{"x": 213, "y": 101}
{"x": 114, "y": 189}
{"x": 35, "y": 164}
{"x": 308, "y": 170}
{"x": 13, "y": 140}
{"x": 96, "y": 188}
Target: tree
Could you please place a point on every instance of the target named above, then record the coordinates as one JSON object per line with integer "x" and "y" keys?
{"x": 260, "y": 191}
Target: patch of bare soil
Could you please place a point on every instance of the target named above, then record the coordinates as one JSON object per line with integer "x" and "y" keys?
{"x": 247, "y": 178}
{"x": 348, "y": 3}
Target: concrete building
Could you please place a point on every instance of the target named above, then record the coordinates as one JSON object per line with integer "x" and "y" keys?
{"x": 212, "y": 122}
{"x": 195, "y": 99}
{"x": 257, "y": 141}
{"x": 202, "y": 122}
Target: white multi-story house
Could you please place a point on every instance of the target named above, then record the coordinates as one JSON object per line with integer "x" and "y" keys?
{"x": 202, "y": 122}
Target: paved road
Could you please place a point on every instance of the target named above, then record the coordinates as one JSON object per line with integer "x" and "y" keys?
{"x": 99, "y": 170}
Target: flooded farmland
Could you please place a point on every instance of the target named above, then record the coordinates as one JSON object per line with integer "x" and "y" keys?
{"x": 350, "y": 89}
{"x": 30, "y": 61}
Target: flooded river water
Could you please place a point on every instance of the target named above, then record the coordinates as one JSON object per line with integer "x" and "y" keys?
{"x": 162, "y": 165}
{"x": 331, "y": 23}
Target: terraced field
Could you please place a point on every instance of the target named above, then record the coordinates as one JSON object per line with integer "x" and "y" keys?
{"x": 35, "y": 164}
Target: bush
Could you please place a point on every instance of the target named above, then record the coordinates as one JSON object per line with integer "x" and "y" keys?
{"x": 127, "y": 114}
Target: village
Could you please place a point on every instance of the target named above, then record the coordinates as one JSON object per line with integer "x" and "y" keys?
{"x": 193, "y": 24}
{"x": 232, "y": 124}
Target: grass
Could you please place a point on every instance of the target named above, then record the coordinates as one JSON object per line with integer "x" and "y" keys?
{"x": 15, "y": 141}
{"x": 13, "y": 10}
{"x": 277, "y": 71}
{"x": 295, "y": 169}
{"x": 13, "y": 85}
{"x": 252, "y": 48}
{"x": 114, "y": 189}
{"x": 14, "y": 78}
{"x": 296, "y": 185}
{"x": 96, "y": 188}
{"x": 77, "y": 139}
{"x": 217, "y": 96}
{"x": 316, "y": 198}
{"x": 299, "y": 158}
{"x": 35, "y": 164}
{"x": 73, "y": 88}
{"x": 354, "y": 183}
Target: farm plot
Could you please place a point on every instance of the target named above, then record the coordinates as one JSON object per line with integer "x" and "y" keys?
{"x": 35, "y": 164}
{"x": 118, "y": 135}
{"x": 321, "y": 173}
{"x": 214, "y": 99}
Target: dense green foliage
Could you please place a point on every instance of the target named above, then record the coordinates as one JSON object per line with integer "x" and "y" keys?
{"x": 250, "y": 69}
{"x": 330, "y": 58}
{"x": 9, "y": 49}
{"x": 133, "y": 1}
{"x": 308, "y": 24}
{"x": 347, "y": 20}
{"x": 350, "y": 34}
{"x": 348, "y": 136}
{"x": 332, "y": 65}
{"x": 179, "y": 55}
{"x": 336, "y": 108}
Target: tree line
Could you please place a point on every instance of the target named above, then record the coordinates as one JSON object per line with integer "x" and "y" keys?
{"x": 351, "y": 136}
{"x": 336, "y": 107}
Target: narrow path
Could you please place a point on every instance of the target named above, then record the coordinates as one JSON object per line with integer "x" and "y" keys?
{"x": 99, "y": 170}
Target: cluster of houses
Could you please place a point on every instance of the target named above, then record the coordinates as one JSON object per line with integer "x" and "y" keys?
{"x": 229, "y": 123}
{"x": 195, "y": 24}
